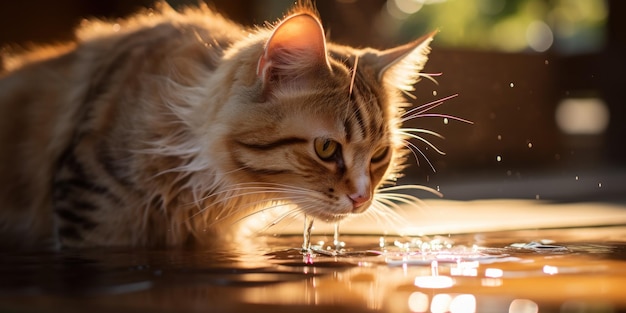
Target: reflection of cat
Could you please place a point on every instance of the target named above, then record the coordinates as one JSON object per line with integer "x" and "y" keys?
{"x": 168, "y": 128}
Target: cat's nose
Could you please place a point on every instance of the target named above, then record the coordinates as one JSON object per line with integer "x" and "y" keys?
{"x": 358, "y": 199}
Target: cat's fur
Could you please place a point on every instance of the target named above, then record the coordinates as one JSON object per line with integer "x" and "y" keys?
{"x": 170, "y": 127}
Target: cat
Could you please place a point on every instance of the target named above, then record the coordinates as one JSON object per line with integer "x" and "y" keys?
{"x": 172, "y": 127}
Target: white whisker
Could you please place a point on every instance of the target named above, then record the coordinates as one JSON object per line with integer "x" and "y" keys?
{"x": 410, "y": 187}
{"x": 413, "y": 148}
{"x": 404, "y": 132}
{"x": 428, "y": 106}
{"x": 356, "y": 64}
{"x": 289, "y": 214}
{"x": 452, "y": 117}
{"x": 407, "y": 132}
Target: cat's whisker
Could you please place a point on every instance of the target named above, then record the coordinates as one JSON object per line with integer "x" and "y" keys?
{"x": 406, "y": 132}
{"x": 276, "y": 185}
{"x": 410, "y": 131}
{"x": 248, "y": 207}
{"x": 354, "y": 69}
{"x": 387, "y": 213}
{"x": 276, "y": 204}
{"x": 431, "y": 77}
{"x": 239, "y": 195}
{"x": 290, "y": 195}
{"x": 402, "y": 199}
{"x": 387, "y": 203}
{"x": 413, "y": 148}
{"x": 451, "y": 117}
{"x": 287, "y": 215}
{"x": 409, "y": 94}
{"x": 386, "y": 190}
{"x": 392, "y": 217}
{"x": 301, "y": 206}
{"x": 239, "y": 190}
{"x": 428, "y": 106}
{"x": 240, "y": 207}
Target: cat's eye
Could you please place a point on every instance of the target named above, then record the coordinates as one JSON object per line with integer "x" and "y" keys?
{"x": 325, "y": 148}
{"x": 380, "y": 154}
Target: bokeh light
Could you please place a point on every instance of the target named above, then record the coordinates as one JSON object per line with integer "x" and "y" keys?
{"x": 523, "y": 306}
{"x": 569, "y": 26}
{"x": 585, "y": 116}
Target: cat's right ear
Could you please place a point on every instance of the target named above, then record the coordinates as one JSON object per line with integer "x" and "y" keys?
{"x": 401, "y": 66}
{"x": 297, "y": 45}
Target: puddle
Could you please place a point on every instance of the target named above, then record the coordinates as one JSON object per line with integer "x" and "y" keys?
{"x": 560, "y": 270}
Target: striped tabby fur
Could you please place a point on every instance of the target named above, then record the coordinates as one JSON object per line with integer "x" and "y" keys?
{"x": 170, "y": 127}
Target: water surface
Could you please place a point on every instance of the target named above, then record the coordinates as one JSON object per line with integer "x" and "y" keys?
{"x": 581, "y": 269}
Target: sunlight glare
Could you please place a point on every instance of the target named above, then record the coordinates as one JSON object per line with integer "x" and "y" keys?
{"x": 539, "y": 36}
{"x": 589, "y": 116}
{"x": 408, "y": 6}
{"x": 465, "y": 303}
{"x": 523, "y": 306}
{"x": 494, "y": 272}
{"x": 434, "y": 282}
{"x": 440, "y": 303}
{"x": 550, "y": 270}
{"x": 418, "y": 302}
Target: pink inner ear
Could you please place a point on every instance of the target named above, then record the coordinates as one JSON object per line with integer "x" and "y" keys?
{"x": 297, "y": 43}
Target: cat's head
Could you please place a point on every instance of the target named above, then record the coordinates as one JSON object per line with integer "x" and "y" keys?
{"x": 319, "y": 128}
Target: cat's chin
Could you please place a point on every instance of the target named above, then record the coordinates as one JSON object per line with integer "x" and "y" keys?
{"x": 334, "y": 217}
{"x": 329, "y": 217}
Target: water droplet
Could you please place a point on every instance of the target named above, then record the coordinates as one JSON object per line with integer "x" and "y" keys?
{"x": 499, "y": 137}
{"x": 530, "y": 145}
{"x": 512, "y": 85}
{"x": 498, "y": 158}
{"x": 434, "y": 92}
{"x": 336, "y": 241}
{"x": 599, "y": 185}
{"x": 445, "y": 120}
{"x": 308, "y": 228}
{"x": 438, "y": 188}
{"x": 434, "y": 268}
{"x": 576, "y": 177}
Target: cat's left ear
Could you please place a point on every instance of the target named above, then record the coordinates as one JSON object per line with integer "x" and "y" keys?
{"x": 401, "y": 66}
{"x": 297, "y": 44}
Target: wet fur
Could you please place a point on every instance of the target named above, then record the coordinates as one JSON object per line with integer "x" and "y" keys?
{"x": 163, "y": 130}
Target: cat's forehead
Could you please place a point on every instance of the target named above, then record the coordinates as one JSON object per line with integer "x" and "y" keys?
{"x": 348, "y": 118}
{"x": 365, "y": 110}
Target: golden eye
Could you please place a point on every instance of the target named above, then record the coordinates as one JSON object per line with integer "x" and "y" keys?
{"x": 380, "y": 154}
{"x": 325, "y": 148}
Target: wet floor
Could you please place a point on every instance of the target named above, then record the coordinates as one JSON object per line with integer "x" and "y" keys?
{"x": 581, "y": 269}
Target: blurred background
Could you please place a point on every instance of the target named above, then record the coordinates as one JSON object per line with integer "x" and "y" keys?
{"x": 540, "y": 80}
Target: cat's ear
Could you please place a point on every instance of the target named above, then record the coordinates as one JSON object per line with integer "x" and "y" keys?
{"x": 401, "y": 66}
{"x": 296, "y": 45}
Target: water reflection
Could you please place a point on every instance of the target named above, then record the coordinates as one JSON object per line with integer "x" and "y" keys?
{"x": 523, "y": 306}
{"x": 372, "y": 275}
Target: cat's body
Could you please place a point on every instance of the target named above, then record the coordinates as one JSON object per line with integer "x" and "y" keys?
{"x": 169, "y": 128}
